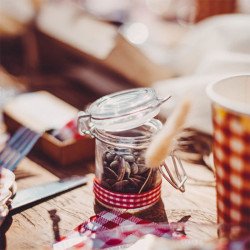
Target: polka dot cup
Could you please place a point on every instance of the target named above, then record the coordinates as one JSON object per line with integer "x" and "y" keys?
{"x": 231, "y": 120}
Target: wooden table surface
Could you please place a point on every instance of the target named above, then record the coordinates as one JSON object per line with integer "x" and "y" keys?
{"x": 32, "y": 228}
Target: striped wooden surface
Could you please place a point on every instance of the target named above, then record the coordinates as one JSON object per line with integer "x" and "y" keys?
{"x": 32, "y": 228}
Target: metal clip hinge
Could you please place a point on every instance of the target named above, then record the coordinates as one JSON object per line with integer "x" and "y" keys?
{"x": 181, "y": 178}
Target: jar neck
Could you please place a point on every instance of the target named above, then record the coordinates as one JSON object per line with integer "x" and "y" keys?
{"x": 139, "y": 137}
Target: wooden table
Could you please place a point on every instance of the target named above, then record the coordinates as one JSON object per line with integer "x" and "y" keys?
{"x": 32, "y": 228}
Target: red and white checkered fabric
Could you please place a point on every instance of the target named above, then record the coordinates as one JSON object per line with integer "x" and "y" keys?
{"x": 69, "y": 131}
{"x": 232, "y": 162}
{"x": 127, "y": 201}
{"x": 114, "y": 228}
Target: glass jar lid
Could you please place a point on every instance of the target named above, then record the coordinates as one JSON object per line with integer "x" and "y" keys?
{"x": 124, "y": 110}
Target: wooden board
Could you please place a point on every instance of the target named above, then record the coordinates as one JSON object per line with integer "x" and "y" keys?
{"x": 32, "y": 228}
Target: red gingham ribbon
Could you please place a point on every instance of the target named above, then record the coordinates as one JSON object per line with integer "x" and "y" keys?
{"x": 127, "y": 201}
{"x": 70, "y": 131}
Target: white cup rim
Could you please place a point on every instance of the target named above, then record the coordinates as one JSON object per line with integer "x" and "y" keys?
{"x": 224, "y": 101}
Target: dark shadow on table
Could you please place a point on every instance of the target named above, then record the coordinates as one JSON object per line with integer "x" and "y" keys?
{"x": 3, "y": 229}
{"x": 155, "y": 213}
{"x": 80, "y": 168}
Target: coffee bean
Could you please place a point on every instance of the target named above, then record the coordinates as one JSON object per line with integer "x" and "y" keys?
{"x": 110, "y": 174}
{"x": 120, "y": 185}
{"x": 127, "y": 170}
{"x": 139, "y": 177}
{"x": 140, "y": 160}
{"x": 142, "y": 168}
{"x": 134, "y": 168}
{"x": 114, "y": 164}
{"x": 105, "y": 184}
{"x": 129, "y": 158}
{"x": 121, "y": 170}
{"x": 110, "y": 156}
{"x": 135, "y": 182}
{"x": 110, "y": 181}
{"x": 117, "y": 158}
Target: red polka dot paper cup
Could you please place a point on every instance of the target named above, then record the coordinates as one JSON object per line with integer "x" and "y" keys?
{"x": 231, "y": 119}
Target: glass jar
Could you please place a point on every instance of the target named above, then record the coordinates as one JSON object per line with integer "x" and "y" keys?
{"x": 123, "y": 124}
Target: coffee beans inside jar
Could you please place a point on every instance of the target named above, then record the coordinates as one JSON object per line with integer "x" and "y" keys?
{"x": 124, "y": 171}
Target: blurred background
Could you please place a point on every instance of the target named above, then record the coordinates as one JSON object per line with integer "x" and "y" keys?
{"x": 83, "y": 49}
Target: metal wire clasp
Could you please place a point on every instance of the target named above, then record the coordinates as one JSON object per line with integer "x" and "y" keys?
{"x": 179, "y": 182}
{"x": 84, "y": 124}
